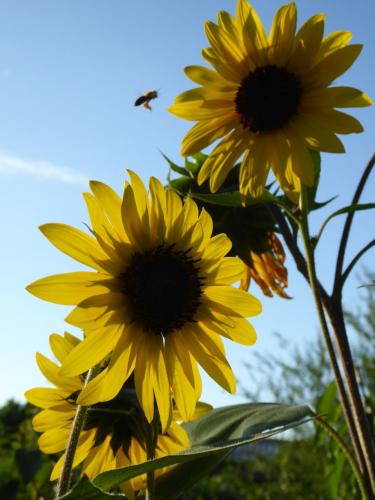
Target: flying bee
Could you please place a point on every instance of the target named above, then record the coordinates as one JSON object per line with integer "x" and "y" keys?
{"x": 146, "y": 98}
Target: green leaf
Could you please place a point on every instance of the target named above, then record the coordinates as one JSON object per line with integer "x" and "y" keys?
{"x": 184, "y": 476}
{"x": 327, "y": 400}
{"x": 335, "y": 476}
{"x": 174, "y": 167}
{"x": 320, "y": 204}
{"x": 233, "y": 199}
{"x": 252, "y": 420}
{"x": 367, "y": 285}
{"x": 85, "y": 490}
{"x": 212, "y": 437}
{"x": 345, "y": 210}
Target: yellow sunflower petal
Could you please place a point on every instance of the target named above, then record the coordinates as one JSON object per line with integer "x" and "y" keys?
{"x": 300, "y": 160}
{"x": 333, "y": 65}
{"x": 242, "y": 331}
{"x": 46, "y": 397}
{"x": 111, "y": 204}
{"x": 208, "y": 77}
{"x": 228, "y": 272}
{"x": 75, "y": 243}
{"x": 143, "y": 376}
{"x": 131, "y": 218}
{"x": 59, "y": 346}
{"x": 334, "y": 41}
{"x": 157, "y": 210}
{"x": 334, "y": 97}
{"x": 340, "y": 123}
{"x": 54, "y": 440}
{"x": 222, "y": 158}
{"x": 51, "y": 371}
{"x": 49, "y": 419}
{"x": 254, "y": 34}
{"x": 206, "y": 132}
{"x": 282, "y": 34}
{"x": 202, "y": 110}
{"x": 217, "y": 368}
{"x": 140, "y": 193}
{"x": 161, "y": 383}
{"x": 307, "y": 43}
{"x": 317, "y": 136}
{"x": 92, "y": 392}
{"x": 181, "y": 374}
{"x": 227, "y": 49}
{"x": 224, "y": 70}
{"x": 70, "y": 288}
{"x": 121, "y": 365}
{"x": 255, "y": 167}
{"x": 217, "y": 247}
{"x": 93, "y": 349}
{"x": 238, "y": 301}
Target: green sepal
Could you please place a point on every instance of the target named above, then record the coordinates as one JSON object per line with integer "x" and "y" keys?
{"x": 181, "y": 185}
{"x": 175, "y": 168}
{"x": 233, "y": 199}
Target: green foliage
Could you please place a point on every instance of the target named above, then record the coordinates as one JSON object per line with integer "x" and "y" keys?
{"x": 306, "y": 376}
{"x": 24, "y": 470}
{"x": 212, "y": 437}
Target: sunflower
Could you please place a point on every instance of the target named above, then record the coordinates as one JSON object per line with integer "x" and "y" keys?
{"x": 269, "y": 98}
{"x": 158, "y": 301}
{"x": 114, "y": 433}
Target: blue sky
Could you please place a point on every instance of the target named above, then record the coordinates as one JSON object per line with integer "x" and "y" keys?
{"x": 69, "y": 75}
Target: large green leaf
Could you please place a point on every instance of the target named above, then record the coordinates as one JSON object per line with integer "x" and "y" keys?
{"x": 212, "y": 438}
{"x": 85, "y": 490}
{"x": 251, "y": 420}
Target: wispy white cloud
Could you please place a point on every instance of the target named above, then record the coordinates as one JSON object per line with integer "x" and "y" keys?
{"x": 12, "y": 165}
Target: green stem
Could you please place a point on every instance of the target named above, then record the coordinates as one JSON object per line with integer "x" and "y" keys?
{"x": 152, "y": 435}
{"x": 354, "y": 430}
{"x": 346, "y": 451}
{"x": 78, "y": 421}
{"x": 338, "y": 282}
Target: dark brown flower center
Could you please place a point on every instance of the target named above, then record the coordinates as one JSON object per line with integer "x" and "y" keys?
{"x": 267, "y": 98}
{"x": 162, "y": 288}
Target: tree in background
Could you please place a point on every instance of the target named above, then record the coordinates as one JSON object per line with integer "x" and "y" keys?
{"x": 24, "y": 470}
